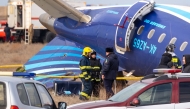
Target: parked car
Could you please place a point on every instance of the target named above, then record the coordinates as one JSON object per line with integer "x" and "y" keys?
{"x": 169, "y": 90}
{"x": 23, "y": 93}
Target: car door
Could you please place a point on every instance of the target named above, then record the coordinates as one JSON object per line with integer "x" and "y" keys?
{"x": 184, "y": 96}
{"x": 156, "y": 97}
{"x": 33, "y": 96}
{"x": 46, "y": 98}
{"x": 22, "y": 97}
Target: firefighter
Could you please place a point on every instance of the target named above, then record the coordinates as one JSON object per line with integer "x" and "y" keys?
{"x": 95, "y": 74}
{"x": 109, "y": 71}
{"x": 7, "y": 31}
{"x": 85, "y": 74}
{"x": 175, "y": 60}
{"x": 165, "y": 59}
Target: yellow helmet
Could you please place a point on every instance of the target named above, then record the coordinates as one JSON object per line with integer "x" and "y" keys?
{"x": 87, "y": 50}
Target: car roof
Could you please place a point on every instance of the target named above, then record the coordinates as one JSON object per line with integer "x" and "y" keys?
{"x": 166, "y": 76}
{"x": 16, "y": 79}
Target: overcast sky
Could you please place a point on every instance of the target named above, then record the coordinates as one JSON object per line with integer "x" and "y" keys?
{"x": 122, "y": 2}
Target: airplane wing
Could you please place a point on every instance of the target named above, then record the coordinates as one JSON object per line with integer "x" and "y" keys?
{"x": 59, "y": 8}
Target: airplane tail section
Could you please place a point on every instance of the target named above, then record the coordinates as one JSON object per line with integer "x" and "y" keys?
{"x": 60, "y": 57}
{"x": 59, "y": 8}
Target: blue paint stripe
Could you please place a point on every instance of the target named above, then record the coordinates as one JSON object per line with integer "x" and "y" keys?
{"x": 46, "y": 48}
{"x": 42, "y": 64}
{"x": 178, "y": 11}
{"x": 45, "y": 56}
{"x": 55, "y": 57}
{"x": 58, "y": 51}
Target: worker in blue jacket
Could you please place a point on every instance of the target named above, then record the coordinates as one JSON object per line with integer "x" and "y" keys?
{"x": 109, "y": 71}
{"x": 85, "y": 74}
{"x": 7, "y": 31}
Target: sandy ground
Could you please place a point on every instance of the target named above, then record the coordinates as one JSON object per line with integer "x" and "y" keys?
{"x": 15, "y": 53}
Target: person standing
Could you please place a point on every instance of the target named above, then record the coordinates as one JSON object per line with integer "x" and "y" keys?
{"x": 186, "y": 64}
{"x": 165, "y": 59}
{"x": 109, "y": 71}
{"x": 85, "y": 74}
{"x": 7, "y": 31}
{"x": 175, "y": 60}
{"x": 95, "y": 74}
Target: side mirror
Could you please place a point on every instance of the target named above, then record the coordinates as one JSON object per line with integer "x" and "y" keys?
{"x": 62, "y": 105}
{"x": 135, "y": 102}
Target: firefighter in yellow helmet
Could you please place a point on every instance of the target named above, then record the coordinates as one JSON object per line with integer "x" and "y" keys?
{"x": 85, "y": 74}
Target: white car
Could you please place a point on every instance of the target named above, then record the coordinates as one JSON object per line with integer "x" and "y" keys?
{"x": 22, "y": 93}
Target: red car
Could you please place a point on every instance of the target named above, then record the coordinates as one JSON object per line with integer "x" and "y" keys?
{"x": 156, "y": 91}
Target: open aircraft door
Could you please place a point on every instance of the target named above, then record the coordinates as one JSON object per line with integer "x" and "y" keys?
{"x": 11, "y": 15}
{"x": 126, "y": 25}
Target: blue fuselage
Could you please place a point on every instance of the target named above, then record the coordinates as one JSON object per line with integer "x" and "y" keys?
{"x": 145, "y": 53}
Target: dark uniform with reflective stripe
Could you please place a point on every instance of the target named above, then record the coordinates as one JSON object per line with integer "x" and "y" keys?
{"x": 95, "y": 76}
{"x": 175, "y": 60}
{"x": 85, "y": 78}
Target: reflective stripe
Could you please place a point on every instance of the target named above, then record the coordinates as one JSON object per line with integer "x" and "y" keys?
{"x": 174, "y": 60}
{"x": 96, "y": 67}
{"x": 87, "y": 77}
{"x": 83, "y": 74}
{"x": 84, "y": 94}
{"x": 85, "y": 67}
{"x": 179, "y": 67}
{"x": 97, "y": 79}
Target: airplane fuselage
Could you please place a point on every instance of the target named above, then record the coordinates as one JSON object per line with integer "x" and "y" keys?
{"x": 146, "y": 48}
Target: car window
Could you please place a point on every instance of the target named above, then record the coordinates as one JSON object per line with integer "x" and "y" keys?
{"x": 127, "y": 92}
{"x": 184, "y": 92}
{"x": 160, "y": 94}
{"x": 22, "y": 94}
{"x": 3, "y": 98}
{"x": 46, "y": 98}
{"x": 33, "y": 95}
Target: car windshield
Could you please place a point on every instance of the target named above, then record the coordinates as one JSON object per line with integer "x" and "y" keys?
{"x": 127, "y": 92}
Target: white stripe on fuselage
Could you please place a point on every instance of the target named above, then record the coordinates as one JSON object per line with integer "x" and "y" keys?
{"x": 174, "y": 14}
{"x": 54, "y": 69}
{"x": 183, "y": 8}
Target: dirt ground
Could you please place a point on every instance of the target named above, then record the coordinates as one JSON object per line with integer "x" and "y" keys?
{"x": 15, "y": 53}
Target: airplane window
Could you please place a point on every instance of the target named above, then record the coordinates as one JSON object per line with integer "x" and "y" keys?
{"x": 161, "y": 38}
{"x": 173, "y": 40}
{"x": 140, "y": 30}
{"x": 151, "y": 33}
{"x": 183, "y": 46}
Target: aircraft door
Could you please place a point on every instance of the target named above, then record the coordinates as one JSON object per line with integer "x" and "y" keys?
{"x": 126, "y": 26}
{"x": 11, "y": 15}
